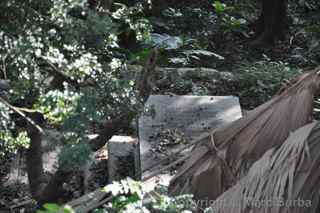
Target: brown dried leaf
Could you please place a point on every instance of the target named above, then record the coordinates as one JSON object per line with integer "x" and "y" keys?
{"x": 283, "y": 180}
{"x": 246, "y": 140}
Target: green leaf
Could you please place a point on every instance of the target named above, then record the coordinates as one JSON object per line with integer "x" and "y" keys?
{"x": 50, "y": 208}
{"x": 219, "y": 7}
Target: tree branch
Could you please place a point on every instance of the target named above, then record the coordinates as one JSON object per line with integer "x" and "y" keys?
{"x": 146, "y": 81}
{"x": 65, "y": 78}
{"x": 19, "y": 111}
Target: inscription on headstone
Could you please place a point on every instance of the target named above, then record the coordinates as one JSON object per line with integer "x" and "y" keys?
{"x": 178, "y": 119}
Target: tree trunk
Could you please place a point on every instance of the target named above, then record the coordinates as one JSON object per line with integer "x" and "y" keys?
{"x": 42, "y": 190}
{"x": 272, "y": 22}
{"x": 34, "y": 163}
{"x": 47, "y": 191}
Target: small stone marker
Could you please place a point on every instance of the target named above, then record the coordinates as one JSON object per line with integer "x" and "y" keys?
{"x": 123, "y": 158}
{"x": 185, "y": 116}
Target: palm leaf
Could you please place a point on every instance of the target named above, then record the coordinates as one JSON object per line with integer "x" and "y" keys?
{"x": 283, "y": 180}
{"x": 224, "y": 156}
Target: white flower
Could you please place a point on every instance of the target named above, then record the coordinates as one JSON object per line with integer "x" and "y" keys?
{"x": 38, "y": 53}
{"x": 52, "y": 32}
{"x": 115, "y": 188}
{"x": 115, "y": 63}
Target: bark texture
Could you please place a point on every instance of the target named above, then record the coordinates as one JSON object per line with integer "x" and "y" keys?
{"x": 271, "y": 25}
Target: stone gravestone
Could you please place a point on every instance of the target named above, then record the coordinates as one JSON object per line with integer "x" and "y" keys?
{"x": 182, "y": 118}
{"x": 123, "y": 158}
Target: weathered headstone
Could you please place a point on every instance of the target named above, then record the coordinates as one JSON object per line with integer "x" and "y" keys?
{"x": 123, "y": 158}
{"x": 186, "y": 117}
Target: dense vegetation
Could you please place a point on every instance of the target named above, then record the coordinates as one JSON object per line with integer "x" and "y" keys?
{"x": 74, "y": 72}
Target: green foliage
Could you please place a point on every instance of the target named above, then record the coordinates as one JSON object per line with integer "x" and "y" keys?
{"x": 9, "y": 143}
{"x": 185, "y": 20}
{"x": 190, "y": 34}
{"x": 21, "y": 140}
{"x": 263, "y": 79}
{"x": 127, "y": 196}
{"x": 131, "y": 18}
{"x": 57, "y": 106}
{"x": 219, "y": 8}
{"x": 74, "y": 155}
{"x": 54, "y": 208}
{"x": 226, "y": 22}
{"x": 5, "y": 121}
{"x": 64, "y": 59}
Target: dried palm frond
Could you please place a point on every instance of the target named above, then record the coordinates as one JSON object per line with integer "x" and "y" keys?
{"x": 284, "y": 180}
{"x": 225, "y": 155}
